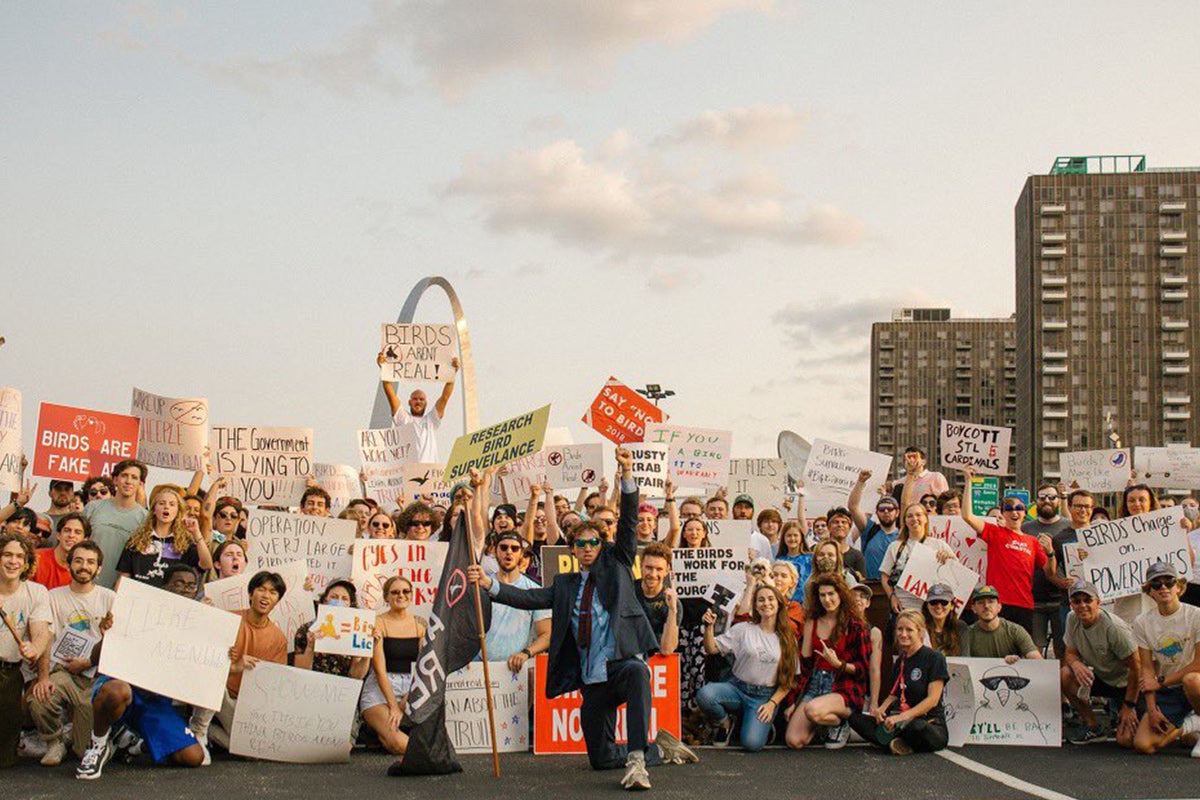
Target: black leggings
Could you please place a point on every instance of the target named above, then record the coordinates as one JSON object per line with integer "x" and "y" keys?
{"x": 922, "y": 735}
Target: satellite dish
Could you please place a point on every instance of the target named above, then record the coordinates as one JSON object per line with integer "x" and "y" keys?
{"x": 794, "y": 449}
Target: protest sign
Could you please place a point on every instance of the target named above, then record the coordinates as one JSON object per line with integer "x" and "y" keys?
{"x": 384, "y": 452}
{"x": 764, "y": 479}
{"x": 981, "y": 447}
{"x": 715, "y": 574}
{"x": 71, "y": 644}
{"x": 264, "y": 466}
{"x": 985, "y": 494}
{"x": 427, "y": 482}
{"x": 294, "y": 609}
{"x": 649, "y": 468}
{"x": 990, "y": 702}
{"x": 696, "y": 457}
{"x": 497, "y": 444}
{"x": 923, "y": 571}
{"x": 417, "y": 352}
{"x": 832, "y": 470}
{"x": 466, "y": 708}
{"x": 1117, "y": 553}
{"x": 558, "y": 560}
{"x": 966, "y": 544}
{"x": 419, "y": 562}
{"x": 288, "y": 714}
{"x": 1168, "y": 467}
{"x": 277, "y": 537}
{"x": 10, "y": 440}
{"x": 1096, "y": 470}
{"x": 620, "y": 414}
{"x": 344, "y": 631}
{"x": 563, "y": 467}
{"x": 341, "y": 481}
{"x": 169, "y": 645}
{"x": 556, "y": 724}
{"x": 734, "y": 533}
{"x": 173, "y": 431}
{"x": 74, "y": 443}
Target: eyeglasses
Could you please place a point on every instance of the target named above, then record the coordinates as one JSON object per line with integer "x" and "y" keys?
{"x": 889, "y": 507}
{"x": 381, "y": 524}
{"x": 587, "y": 543}
{"x": 1053, "y": 496}
{"x": 227, "y": 515}
{"x": 1017, "y": 507}
{"x": 938, "y": 602}
{"x": 608, "y": 522}
{"x": 1162, "y": 583}
{"x": 1081, "y": 507}
{"x": 509, "y": 548}
{"x": 101, "y": 491}
{"x": 423, "y": 523}
{"x": 400, "y": 593}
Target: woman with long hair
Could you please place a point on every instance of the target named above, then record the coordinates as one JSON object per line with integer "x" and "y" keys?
{"x": 692, "y": 655}
{"x": 914, "y": 530}
{"x": 827, "y": 560}
{"x": 337, "y": 593}
{"x": 166, "y": 537}
{"x": 381, "y": 526}
{"x": 398, "y": 635}
{"x": 947, "y": 634}
{"x": 793, "y": 548}
{"x": 835, "y": 661}
{"x": 764, "y": 669}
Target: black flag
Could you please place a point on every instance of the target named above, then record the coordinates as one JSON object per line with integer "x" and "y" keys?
{"x": 451, "y": 642}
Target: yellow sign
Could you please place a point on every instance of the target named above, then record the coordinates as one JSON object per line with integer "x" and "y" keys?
{"x": 498, "y": 444}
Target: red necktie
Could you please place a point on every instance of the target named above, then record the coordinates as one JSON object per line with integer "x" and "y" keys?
{"x": 585, "y": 613}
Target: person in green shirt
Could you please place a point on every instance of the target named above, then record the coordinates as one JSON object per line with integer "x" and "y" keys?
{"x": 993, "y": 636}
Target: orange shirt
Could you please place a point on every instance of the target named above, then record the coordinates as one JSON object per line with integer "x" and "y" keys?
{"x": 49, "y": 572}
{"x": 266, "y": 643}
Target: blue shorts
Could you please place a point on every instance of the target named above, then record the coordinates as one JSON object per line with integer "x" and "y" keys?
{"x": 820, "y": 684}
{"x": 1173, "y": 704}
{"x": 162, "y": 728}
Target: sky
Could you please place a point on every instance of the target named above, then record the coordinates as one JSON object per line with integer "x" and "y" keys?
{"x": 226, "y": 199}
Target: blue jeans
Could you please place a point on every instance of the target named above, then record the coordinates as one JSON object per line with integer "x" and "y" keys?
{"x": 719, "y": 700}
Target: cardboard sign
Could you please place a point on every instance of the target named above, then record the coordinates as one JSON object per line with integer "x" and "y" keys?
{"x": 467, "y": 711}
{"x": 294, "y": 609}
{"x": 1117, "y": 553}
{"x": 715, "y": 574}
{"x": 169, "y": 645}
{"x": 341, "y": 481}
{"x": 377, "y": 560}
{"x": 556, "y": 724}
{"x": 733, "y": 533}
{"x": 10, "y": 440}
{"x": 426, "y": 481}
{"x": 344, "y": 631}
{"x": 649, "y": 468}
{"x": 173, "y": 431}
{"x": 558, "y": 560}
{"x": 620, "y": 414}
{"x": 990, "y": 702}
{"x": 417, "y": 352}
{"x": 832, "y": 471}
{"x": 985, "y": 494}
{"x": 969, "y": 444}
{"x": 384, "y": 452}
{"x": 966, "y": 544}
{"x": 75, "y": 443}
{"x": 563, "y": 467}
{"x": 1096, "y": 470}
{"x": 764, "y": 479}
{"x": 277, "y": 537}
{"x": 497, "y": 444}
{"x": 294, "y": 715}
{"x": 71, "y": 644}
{"x": 264, "y": 466}
{"x": 923, "y": 571}
{"x": 1168, "y": 467}
{"x": 696, "y": 457}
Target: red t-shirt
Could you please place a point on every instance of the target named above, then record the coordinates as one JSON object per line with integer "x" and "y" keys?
{"x": 1012, "y": 557}
{"x": 49, "y": 573}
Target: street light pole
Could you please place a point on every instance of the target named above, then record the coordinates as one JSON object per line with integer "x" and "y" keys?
{"x": 655, "y": 392}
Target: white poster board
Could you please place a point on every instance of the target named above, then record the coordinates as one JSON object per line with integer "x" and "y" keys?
{"x": 70, "y": 644}
{"x": 954, "y": 531}
{"x": 384, "y": 452}
{"x": 969, "y": 444}
{"x": 417, "y": 352}
{"x": 734, "y": 533}
{"x": 563, "y": 466}
{"x": 764, "y": 479}
{"x": 169, "y": 645}
{"x": 10, "y": 440}
{"x": 264, "y": 466}
{"x": 991, "y": 702}
{"x": 341, "y": 481}
{"x": 1117, "y": 553}
{"x": 377, "y": 560}
{"x": 344, "y": 631}
{"x": 1096, "y": 470}
{"x": 295, "y": 715}
{"x": 277, "y": 537}
{"x": 696, "y": 457}
{"x": 923, "y": 571}
{"x": 466, "y": 708}
{"x": 832, "y": 471}
{"x": 294, "y": 609}
{"x": 426, "y": 481}
{"x": 173, "y": 431}
{"x": 1168, "y": 467}
{"x": 716, "y": 574}
{"x": 649, "y": 470}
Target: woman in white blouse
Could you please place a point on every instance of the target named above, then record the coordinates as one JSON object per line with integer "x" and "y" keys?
{"x": 914, "y": 531}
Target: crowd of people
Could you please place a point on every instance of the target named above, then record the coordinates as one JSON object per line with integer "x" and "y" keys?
{"x": 808, "y": 657}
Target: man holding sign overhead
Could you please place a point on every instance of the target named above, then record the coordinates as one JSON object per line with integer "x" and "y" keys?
{"x": 424, "y": 422}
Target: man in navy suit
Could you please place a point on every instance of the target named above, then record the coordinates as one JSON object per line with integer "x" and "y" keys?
{"x": 599, "y": 638}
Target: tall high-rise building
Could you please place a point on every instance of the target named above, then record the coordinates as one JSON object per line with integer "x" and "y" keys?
{"x": 926, "y": 367}
{"x": 1107, "y": 294}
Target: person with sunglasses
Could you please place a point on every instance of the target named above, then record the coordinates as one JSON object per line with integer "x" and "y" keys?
{"x": 992, "y": 636}
{"x": 1048, "y": 592}
{"x": 592, "y": 653}
{"x": 98, "y": 487}
{"x": 416, "y": 522}
{"x": 947, "y": 634}
{"x": 515, "y": 635}
{"x": 1168, "y": 640}
{"x": 423, "y": 421}
{"x": 398, "y": 637}
{"x": 1013, "y": 556}
{"x": 876, "y": 534}
{"x": 381, "y": 526}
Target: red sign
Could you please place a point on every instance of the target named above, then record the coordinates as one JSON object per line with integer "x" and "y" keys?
{"x": 556, "y": 726}
{"x": 74, "y": 444}
{"x": 620, "y": 414}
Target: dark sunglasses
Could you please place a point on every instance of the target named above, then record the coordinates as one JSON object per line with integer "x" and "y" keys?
{"x": 938, "y": 602}
{"x": 424, "y": 523}
{"x": 1013, "y": 682}
{"x": 381, "y": 524}
{"x": 400, "y": 593}
{"x": 97, "y": 492}
{"x": 587, "y": 542}
{"x": 1012, "y": 508}
{"x": 1162, "y": 583}
{"x": 509, "y": 548}
{"x": 1047, "y": 497}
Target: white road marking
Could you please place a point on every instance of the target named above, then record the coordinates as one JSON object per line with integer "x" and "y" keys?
{"x": 1003, "y": 777}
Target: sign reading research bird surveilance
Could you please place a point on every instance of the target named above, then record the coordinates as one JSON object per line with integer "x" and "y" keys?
{"x": 466, "y": 708}
{"x": 10, "y": 440}
{"x": 832, "y": 470}
{"x": 75, "y": 443}
{"x": 173, "y": 431}
{"x": 264, "y": 466}
{"x": 296, "y": 715}
{"x": 696, "y": 457}
{"x": 983, "y": 448}
{"x": 1117, "y": 553}
{"x": 277, "y": 537}
{"x": 620, "y": 414}
{"x": 417, "y": 352}
{"x": 497, "y": 444}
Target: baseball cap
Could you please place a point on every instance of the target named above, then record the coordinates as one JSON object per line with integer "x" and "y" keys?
{"x": 510, "y": 535}
{"x": 862, "y": 589}
{"x": 62, "y": 485}
{"x": 985, "y": 592}
{"x": 1160, "y": 569}
{"x": 1081, "y": 586}
{"x": 744, "y": 499}
{"x": 940, "y": 591}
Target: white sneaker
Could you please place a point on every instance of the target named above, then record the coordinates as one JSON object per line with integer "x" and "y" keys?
{"x": 1196, "y": 749}
{"x": 836, "y": 738}
{"x": 1190, "y": 724}
{"x": 56, "y": 751}
{"x": 97, "y": 755}
{"x": 636, "y": 778}
{"x": 31, "y": 745}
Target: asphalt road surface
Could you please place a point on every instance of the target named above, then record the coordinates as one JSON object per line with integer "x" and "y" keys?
{"x": 1093, "y": 772}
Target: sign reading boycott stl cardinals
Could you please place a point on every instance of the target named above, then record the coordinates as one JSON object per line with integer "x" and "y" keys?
{"x": 556, "y": 724}
{"x": 982, "y": 447}
{"x": 497, "y": 444}
{"x": 417, "y": 352}
{"x": 75, "y": 443}
{"x": 620, "y": 414}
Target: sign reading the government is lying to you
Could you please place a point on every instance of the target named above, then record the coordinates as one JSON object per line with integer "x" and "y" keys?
{"x": 983, "y": 448}
{"x": 264, "y": 466}
{"x": 466, "y": 708}
{"x": 1115, "y": 554}
{"x": 696, "y": 457}
{"x": 497, "y": 444}
{"x": 417, "y": 352}
{"x": 173, "y": 431}
{"x": 277, "y": 537}
{"x": 620, "y": 414}
{"x": 297, "y": 715}
{"x": 74, "y": 443}
{"x": 1096, "y": 470}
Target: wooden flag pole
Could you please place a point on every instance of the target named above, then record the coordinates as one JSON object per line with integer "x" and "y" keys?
{"x": 487, "y": 677}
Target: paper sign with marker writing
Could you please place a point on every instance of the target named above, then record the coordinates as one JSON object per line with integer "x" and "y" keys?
{"x": 649, "y": 468}
{"x": 832, "y": 471}
{"x": 427, "y": 482}
{"x": 696, "y": 457}
{"x": 497, "y": 444}
{"x": 923, "y": 571}
{"x": 981, "y": 447}
{"x": 344, "y": 631}
{"x": 169, "y": 645}
{"x": 1096, "y": 470}
{"x": 990, "y": 702}
{"x": 277, "y": 537}
{"x": 384, "y": 452}
{"x": 419, "y": 562}
{"x": 292, "y": 611}
{"x": 764, "y": 479}
{"x": 466, "y": 708}
{"x": 341, "y": 481}
{"x": 294, "y": 715}
{"x": 173, "y": 431}
{"x": 563, "y": 466}
{"x": 954, "y": 531}
{"x": 75, "y": 443}
{"x": 10, "y": 440}
{"x": 1118, "y": 552}
{"x": 417, "y": 352}
{"x": 71, "y": 644}
{"x": 716, "y": 574}
{"x": 264, "y": 466}
{"x": 620, "y": 414}
{"x": 1168, "y": 467}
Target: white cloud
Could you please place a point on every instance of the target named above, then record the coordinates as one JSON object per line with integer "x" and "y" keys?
{"x": 750, "y": 128}
{"x": 665, "y": 281}
{"x": 137, "y": 24}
